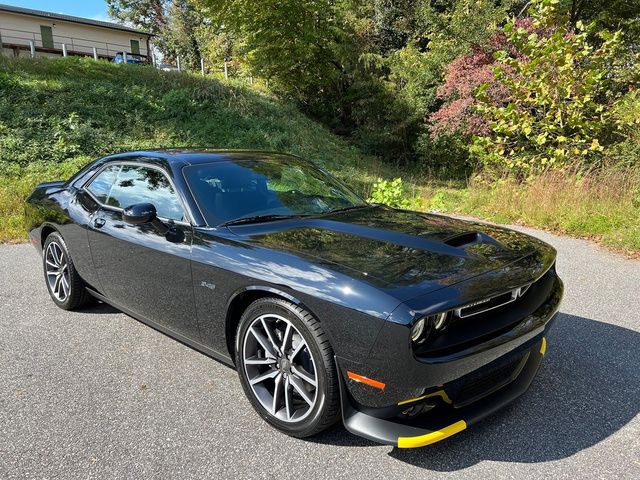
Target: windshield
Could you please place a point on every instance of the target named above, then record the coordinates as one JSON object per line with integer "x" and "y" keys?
{"x": 280, "y": 186}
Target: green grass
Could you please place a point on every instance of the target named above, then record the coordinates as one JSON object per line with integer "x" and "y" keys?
{"x": 602, "y": 206}
{"x": 58, "y": 114}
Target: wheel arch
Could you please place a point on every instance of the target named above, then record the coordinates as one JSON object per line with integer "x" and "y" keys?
{"x": 46, "y": 230}
{"x": 239, "y": 302}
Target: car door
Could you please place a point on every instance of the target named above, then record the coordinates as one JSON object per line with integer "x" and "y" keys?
{"x": 139, "y": 268}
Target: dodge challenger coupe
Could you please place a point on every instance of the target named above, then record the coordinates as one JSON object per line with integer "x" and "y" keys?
{"x": 409, "y": 326}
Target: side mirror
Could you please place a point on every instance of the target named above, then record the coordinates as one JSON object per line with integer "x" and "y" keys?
{"x": 142, "y": 213}
{"x": 139, "y": 213}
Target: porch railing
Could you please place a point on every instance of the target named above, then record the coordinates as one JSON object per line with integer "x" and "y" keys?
{"x": 23, "y": 40}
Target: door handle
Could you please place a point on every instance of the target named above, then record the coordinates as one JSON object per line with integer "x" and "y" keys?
{"x": 99, "y": 222}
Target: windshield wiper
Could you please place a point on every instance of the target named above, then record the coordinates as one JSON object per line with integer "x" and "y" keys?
{"x": 259, "y": 219}
{"x": 344, "y": 209}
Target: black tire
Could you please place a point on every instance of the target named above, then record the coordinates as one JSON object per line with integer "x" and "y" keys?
{"x": 326, "y": 410}
{"x": 75, "y": 295}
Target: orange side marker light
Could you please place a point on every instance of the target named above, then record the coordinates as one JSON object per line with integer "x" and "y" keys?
{"x": 366, "y": 380}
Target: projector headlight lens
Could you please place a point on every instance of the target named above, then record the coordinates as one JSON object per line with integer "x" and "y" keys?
{"x": 424, "y": 327}
{"x": 416, "y": 331}
{"x": 439, "y": 320}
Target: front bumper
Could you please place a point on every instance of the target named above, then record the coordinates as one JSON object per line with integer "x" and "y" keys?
{"x": 446, "y": 419}
{"x": 418, "y": 401}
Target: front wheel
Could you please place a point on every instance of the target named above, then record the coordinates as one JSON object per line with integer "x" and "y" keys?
{"x": 286, "y": 367}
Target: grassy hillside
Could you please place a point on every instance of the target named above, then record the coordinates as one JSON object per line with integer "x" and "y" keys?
{"x": 58, "y": 114}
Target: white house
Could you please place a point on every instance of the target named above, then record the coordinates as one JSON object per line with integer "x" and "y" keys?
{"x": 49, "y": 34}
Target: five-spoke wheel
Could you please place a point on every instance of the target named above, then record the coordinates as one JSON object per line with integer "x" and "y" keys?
{"x": 286, "y": 367}
{"x": 65, "y": 286}
{"x": 57, "y": 271}
{"x": 280, "y": 368}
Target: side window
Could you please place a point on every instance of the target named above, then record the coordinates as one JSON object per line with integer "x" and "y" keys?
{"x": 135, "y": 47}
{"x": 124, "y": 185}
{"x": 100, "y": 187}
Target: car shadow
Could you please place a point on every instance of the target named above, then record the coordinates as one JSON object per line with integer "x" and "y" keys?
{"x": 586, "y": 390}
{"x": 99, "y": 307}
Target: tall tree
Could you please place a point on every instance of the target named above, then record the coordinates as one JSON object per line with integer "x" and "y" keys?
{"x": 293, "y": 43}
{"x": 172, "y": 22}
{"x": 147, "y": 15}
{"x": 180, "y": 33}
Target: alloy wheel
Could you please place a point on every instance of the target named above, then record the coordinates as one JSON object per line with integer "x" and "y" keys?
{"x": 280, "y": 368}
{"x": 57, "y": 270}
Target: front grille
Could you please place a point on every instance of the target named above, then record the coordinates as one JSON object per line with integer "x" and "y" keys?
{"x": 476, "y": 385}
{"x": 489, "y": 303}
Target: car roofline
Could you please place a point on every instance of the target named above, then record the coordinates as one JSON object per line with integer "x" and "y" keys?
{"x": 192, "y": 156}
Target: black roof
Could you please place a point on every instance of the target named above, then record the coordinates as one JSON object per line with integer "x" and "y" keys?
{"x": 192, "y": 156}
{"x": 71, "y": 18}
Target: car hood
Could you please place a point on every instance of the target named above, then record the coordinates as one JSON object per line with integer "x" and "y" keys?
{"x": 409, "y": 252}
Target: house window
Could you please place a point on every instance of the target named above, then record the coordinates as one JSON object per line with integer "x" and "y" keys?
{"x": 46, "y": 33}
{"x": 135, "y": 47}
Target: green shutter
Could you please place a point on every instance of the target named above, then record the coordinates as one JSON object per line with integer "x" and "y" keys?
{"x": 135, "y": 47}
{"x": 47, "y": 36}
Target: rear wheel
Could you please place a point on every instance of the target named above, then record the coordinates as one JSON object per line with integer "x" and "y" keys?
{"x": 286, "y": 367}
{"x": 65, "y": 286}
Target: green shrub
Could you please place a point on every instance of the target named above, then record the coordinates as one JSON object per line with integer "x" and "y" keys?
{"x": 627, "y": 116}
{"x": 438, "y": 201}
{"x": 393, "y": 194}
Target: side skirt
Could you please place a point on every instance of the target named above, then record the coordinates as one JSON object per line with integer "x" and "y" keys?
{"x": 167, "y": 331}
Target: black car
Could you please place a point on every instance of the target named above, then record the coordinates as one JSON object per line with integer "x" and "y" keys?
{"x": 410, "y": 326}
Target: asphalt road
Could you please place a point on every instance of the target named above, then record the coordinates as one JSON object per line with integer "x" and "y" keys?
{"x": 97, "y": 394}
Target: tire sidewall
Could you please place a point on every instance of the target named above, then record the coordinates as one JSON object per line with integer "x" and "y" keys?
{"x": 283, "y": 308}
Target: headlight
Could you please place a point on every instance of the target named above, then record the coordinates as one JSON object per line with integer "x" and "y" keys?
{"x": 416, "y": 331}
{"x": 439, "y": 320}
{"x": 423, "y": 327}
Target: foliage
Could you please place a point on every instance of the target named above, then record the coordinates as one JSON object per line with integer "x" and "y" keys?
{"x": 462, "y": 77}
{"x": 180, "y": 35}
{"x": 561, "y": 93}
{"x": 393, "y": 193}
{"x": 392, "y": 76}
{"x": 149, "y": 15}
{"x": 292, "y": 43}
{"x": 626, "y": 116}
{"x": 368, "y": 69}
{"x": 445, "y": 30}
{"x": 609, "y": 15}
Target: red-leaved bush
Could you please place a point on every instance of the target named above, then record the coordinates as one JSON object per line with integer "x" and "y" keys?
{"x": 461, "y": 79}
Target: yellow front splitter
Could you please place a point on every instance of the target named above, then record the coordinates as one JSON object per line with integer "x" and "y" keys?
{"x": 432, "y": 437}
{"x": 446, "y": 432}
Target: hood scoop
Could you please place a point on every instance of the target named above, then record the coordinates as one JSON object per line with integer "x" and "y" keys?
{"x": 463, "y": 239}
{"x": 468, "y": 239}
